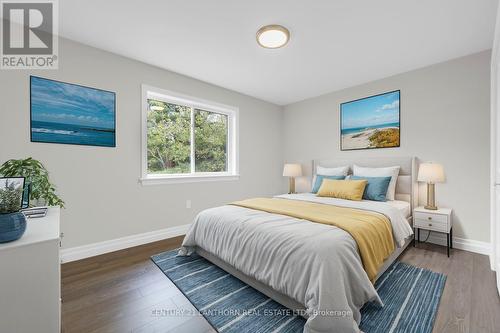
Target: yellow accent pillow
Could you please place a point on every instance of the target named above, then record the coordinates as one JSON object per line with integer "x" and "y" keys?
{"x": 342, "y": 189}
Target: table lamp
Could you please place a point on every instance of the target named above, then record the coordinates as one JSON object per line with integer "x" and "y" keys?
{"x": 431, "y": 173}
{"x": 292, "y": 171}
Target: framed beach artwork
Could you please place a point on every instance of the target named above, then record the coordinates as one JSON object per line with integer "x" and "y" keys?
{"x": 71, "y": 114}
{"x": 371, "y": 122}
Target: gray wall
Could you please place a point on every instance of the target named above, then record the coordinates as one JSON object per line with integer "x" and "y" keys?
{"x": 444, "y": 118}
{"x": 100, "y": 185}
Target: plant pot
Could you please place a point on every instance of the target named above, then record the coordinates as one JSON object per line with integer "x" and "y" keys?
{"x": 12, "y": 226}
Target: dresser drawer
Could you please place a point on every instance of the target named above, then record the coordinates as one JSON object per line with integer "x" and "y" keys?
{"x": 432, "y": 224}
{"x": 437, "y": 218}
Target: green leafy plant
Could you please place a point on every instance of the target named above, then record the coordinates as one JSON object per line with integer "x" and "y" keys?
{"x": 35, "y": 173}
{"x": 10, "y": 199}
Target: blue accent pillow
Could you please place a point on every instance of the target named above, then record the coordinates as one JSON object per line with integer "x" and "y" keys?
{"x": 376, "y": 189}
{"x": 319, "y": 181}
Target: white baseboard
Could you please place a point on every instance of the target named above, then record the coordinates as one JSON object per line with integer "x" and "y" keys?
{"x": 458, "y": 243}
{"x": 95, "y": 249}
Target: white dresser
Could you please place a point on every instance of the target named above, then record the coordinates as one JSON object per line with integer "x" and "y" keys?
{"x": 30, "y": 278}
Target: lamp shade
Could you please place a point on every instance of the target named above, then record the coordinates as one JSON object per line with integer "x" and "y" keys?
{"x": 431, "y": 173}
{"x": 292, "y": 170}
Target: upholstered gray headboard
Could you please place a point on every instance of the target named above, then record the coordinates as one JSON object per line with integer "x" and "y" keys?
{"x": 406, "y": 187}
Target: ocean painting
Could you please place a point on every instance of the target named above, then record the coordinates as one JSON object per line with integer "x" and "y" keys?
{"x": 71, "y": 114}
{"x": 371, "y": 122}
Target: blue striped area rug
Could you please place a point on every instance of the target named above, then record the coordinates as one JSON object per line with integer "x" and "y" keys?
{"x": 411, "y": 297}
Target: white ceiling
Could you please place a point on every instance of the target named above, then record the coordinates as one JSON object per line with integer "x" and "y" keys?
{"x": 334, "y": 44}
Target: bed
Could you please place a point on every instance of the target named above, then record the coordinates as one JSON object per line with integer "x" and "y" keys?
{"x": 304, "y": 265}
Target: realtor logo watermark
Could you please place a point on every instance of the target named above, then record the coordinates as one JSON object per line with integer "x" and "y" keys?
{"x": 29, "y": 34}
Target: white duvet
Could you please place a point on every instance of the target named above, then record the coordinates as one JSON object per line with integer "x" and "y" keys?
{"x": 318, "y": 265}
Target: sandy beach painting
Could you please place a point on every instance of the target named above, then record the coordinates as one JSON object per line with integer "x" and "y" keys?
{"x": 371, "y": 122}
{"x": 71, "y": 114}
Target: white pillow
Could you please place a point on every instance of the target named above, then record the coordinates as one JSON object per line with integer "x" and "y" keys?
{"x": 339, "y": 171}
{"x": 392, "y": 172}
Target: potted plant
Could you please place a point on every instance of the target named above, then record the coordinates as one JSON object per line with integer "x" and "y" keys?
{"x": 42, "y": 192}
{"x": 12, "y": 220}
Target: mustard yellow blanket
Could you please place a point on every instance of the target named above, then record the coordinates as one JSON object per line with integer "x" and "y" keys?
{"x": 372, "y": 231}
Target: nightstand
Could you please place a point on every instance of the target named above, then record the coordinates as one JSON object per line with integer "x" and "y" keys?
{"x": 434, "y": 220}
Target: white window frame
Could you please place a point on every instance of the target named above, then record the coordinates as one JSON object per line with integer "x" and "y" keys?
{"x": 193, "y": 103}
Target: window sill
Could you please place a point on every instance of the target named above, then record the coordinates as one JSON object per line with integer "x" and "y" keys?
{"x": 158, "y": 180}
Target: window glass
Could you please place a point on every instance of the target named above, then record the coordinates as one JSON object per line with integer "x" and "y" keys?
{"x": 210, "y": 141}
{"x": 168, "y": 138}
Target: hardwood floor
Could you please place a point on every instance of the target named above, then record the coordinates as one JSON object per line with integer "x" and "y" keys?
{"x": 470, "y": 302}
{"x": 124, "y": 292}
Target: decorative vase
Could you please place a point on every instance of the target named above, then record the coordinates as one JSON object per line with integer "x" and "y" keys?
{"x": 12, "y": 226}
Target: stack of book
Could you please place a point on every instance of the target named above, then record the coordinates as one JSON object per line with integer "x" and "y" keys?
{"x": 35, "y": 212}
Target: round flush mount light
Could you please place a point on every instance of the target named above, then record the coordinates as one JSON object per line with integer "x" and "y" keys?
{"x": 273, "y": 36}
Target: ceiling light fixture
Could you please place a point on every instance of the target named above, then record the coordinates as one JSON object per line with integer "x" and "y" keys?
{"x": 273, "y": 36}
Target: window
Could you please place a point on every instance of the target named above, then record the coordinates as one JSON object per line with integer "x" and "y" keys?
{"x": 186, "y": 139}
